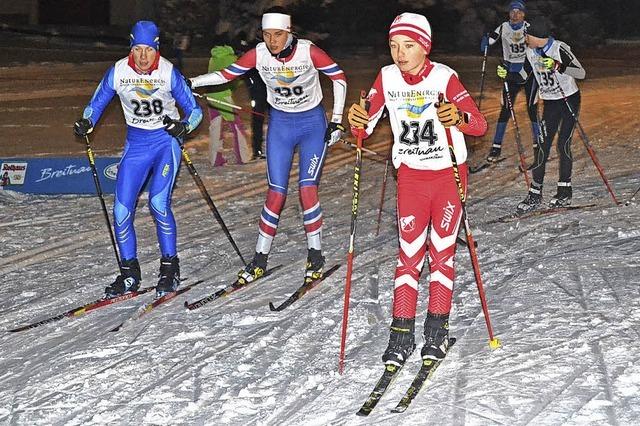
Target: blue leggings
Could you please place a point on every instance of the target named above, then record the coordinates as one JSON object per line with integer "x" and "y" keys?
{"x": 159, "y": 159}
{"x": 291, "y": 130}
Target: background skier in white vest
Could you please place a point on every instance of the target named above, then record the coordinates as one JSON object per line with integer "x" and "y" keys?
{"x": 556, "y": 69}
{"x": 511, "y": 36}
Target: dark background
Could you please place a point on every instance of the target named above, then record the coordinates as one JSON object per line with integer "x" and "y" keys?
{"x": 347, "y": 24}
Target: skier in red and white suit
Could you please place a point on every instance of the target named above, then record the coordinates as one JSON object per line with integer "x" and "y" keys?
{"x": 427, "y": 191}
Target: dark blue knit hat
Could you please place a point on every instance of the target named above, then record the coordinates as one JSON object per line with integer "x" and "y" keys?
{"x": 145, "y": 32}
{"x": 517, "y": 4}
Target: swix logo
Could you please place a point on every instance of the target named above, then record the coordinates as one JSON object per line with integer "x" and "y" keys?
{"x": 448, "y": 215}
{"x": 314, "y": 163}
{"x": 408, "y": 223}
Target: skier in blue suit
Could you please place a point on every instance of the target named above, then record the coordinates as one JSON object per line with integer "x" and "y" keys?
{"x": 149, "y": 87}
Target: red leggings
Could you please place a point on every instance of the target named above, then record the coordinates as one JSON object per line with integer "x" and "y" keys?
{"x": 426, "y": 197}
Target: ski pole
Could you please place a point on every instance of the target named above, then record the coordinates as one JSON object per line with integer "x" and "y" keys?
{"x": 542, "y": 136}
{"x": 521, "y": 155}
{"x": 96, "y": 181}
{"x": 207, "y": 198}
{"x": 587, "y": 145}
{"x": 538, "y": 157}
{"x": 227, "y": 104}
{"x": 494, "y": 342}
{"x": 484, "y": 64}
{"x": 632, "y": 197}
{"x": 354, "y": 218}
{"x": 384, "y": 187}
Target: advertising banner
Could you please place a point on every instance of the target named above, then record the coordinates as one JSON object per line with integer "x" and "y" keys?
{"x": 68, "y": 175}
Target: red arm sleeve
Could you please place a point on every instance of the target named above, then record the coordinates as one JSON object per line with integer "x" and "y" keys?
{"x": 241, "y": 66}
{"x": 325, "y": 64}
{"x": 476, "y": 124}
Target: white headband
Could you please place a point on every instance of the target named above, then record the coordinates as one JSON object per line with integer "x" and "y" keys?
{"x": 276, "y": 21}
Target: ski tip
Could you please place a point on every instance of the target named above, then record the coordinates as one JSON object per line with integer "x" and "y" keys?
{"x": 186, "y": 304}
{"x": 272, "y": 307}
{"x": 363, "y": 413}
{"x": 399, "y": 409}
{"x": 495, "y": 344}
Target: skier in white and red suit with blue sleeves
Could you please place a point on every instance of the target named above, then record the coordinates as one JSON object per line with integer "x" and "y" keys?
{"x": 427, "y": 190}
{"x": 289, "y": 67}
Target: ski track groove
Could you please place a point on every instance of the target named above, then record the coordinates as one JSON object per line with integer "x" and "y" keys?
{"x": 291, "y": 330}
{"x": 523, "y": 266}
{"x": 174, "y": 375}
{"x": 177, "y": 375}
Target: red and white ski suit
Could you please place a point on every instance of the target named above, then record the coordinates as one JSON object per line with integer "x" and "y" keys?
{"x": 427, "y": 191}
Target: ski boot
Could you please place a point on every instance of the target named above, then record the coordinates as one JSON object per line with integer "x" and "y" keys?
{"x": 315, "y": 262}
{"x": 532, "y": 201}
{"x": 562, "y": 197}
{"x": 127, "y": 281}
{"x": 254, "y": 270}
{"x": 401, "y": 341}
{"x": 436, "y": 336}
{"x": 494, "y": 154}
{"x": 169, "y": 276}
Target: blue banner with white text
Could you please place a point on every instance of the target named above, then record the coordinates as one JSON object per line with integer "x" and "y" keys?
{"x": 57, "y": 175}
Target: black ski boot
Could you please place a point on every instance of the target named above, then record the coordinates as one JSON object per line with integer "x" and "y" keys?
{"x": 315, "y": 262}
{"x": 169, "y": 276}
{"x": 436, "y": 336}
{"x": 494, "y": 154}
{"x": 402, "y": 341}
{"x": 254, "y": 270}
{"x": 128, "y": 280}
{"x": 532, "y": 201}
{"x": 562, "y": 197}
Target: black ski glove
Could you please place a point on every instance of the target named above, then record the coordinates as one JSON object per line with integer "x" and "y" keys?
{"x": 82, "y": 127}
{"x": 333, "y": 133}
{"x": 175, "y": 128}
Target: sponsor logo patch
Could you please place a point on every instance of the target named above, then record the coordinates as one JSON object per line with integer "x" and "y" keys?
{"x": 12, "y": 173}
{"x": 111, "y": 171}
{"x": 408, "y": 223}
